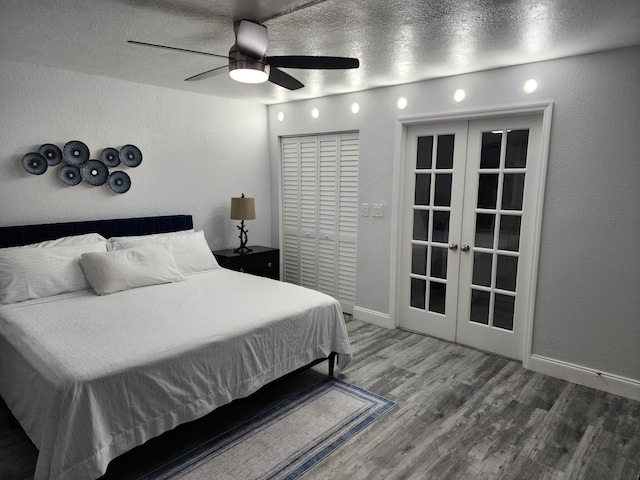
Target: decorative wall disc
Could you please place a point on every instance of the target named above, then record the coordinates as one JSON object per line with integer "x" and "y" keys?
{"x": 69, "y": 175}
{"x": 110, "y": 157}
{"x": 94, "y": 172}
{"x": 34, "y": 163}
{"x": 51, "y": 153}
{"x": 130, "y": 155}
{"x": 119, "y": 182}
{"x": 78, "y": 166}
{"x": 76, "y": 152}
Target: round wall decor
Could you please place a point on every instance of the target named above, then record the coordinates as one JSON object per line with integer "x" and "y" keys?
{"x": 119, "y": 182}
{"x": 131, "y": 155}
{"x": 69, "y": 175}
{"x": 75, "y": 152}
{"x": 77, "y": 166}
{"x": 110, "y": 157}
{"x": 51, "y": 153}
{"x": 34, "y": 163}
{"x": 94, "y": 172}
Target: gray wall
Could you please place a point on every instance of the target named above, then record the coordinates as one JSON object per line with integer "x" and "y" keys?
{"x": 587, "y": 310}
{"x": 198, "y": 151}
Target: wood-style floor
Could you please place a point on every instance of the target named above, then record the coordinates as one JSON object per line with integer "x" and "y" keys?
{"x": 460, "y": 414}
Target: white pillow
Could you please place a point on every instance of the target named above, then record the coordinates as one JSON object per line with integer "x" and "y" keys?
{"x": 190, "y": 250}
{"x": 27, "y": 273}
{"x": 110, "y": 272}
{"x": 193, "y": 254}
{"x": 118, "y": 243}
{"x": 67, "y": 241}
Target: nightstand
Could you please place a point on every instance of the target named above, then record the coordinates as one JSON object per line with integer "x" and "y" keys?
{"x": 263, "y": 261}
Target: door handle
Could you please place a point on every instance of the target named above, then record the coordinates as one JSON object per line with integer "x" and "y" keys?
{"x": 453, "y": 246}
{"x": 464, "y": 248}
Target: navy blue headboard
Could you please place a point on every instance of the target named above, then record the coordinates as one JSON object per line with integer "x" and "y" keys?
{"x": 26, "y": 234}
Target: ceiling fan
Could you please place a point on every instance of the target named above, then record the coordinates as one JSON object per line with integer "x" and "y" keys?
{"x": 248, "y": 62}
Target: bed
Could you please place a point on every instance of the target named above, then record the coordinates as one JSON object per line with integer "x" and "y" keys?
{"x": 91, "y": 376}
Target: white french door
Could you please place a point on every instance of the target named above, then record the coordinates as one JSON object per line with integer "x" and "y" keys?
{"x": 433, "y": 196}
{"x": 466, "y": 250}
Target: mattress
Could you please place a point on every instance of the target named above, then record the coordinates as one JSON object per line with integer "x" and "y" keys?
{"x": 90, "y": 377}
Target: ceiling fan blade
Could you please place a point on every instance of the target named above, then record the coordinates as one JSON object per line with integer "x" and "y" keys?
{"x": 208, "y": 74}
{"x": 284, "y": 79}
{"x": 176, "y": 48}
{"x": 312, "y": 62}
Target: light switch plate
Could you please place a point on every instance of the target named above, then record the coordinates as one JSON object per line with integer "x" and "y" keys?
{"x": 364, "y": 209}
{"x": 377, "y": 209}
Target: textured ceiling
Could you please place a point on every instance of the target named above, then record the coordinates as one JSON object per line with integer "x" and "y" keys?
{"x": 396, "y": 41}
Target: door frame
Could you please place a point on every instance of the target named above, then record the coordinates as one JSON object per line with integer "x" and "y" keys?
{"x": 402, "y": 123}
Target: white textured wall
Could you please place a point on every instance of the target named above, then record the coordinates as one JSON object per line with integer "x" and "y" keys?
{"x": 587, "y": 310}
{"x": 198, "y": 151}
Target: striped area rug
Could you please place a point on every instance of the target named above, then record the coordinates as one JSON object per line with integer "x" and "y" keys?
{"x": 284, "y": 441}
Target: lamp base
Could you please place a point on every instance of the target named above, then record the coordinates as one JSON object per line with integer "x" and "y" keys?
{"x": 243, "y": 240}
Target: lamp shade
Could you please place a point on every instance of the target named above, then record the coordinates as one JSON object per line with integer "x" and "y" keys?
{"x": 243, "y": 208}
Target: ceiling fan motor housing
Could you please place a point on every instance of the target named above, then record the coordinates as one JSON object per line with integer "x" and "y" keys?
{"x": 255, "y": 70}
{"x": 251, "y": 38}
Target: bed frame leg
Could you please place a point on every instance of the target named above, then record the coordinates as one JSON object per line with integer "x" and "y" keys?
{"x": 332, "y": 362}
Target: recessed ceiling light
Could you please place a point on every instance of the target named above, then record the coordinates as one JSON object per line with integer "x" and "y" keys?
{"x": 530, "y": 86}
{"x": 315, "y": 113}
{"x": 459, "y": 95}
{"x": 281, "y": 116}
{"x": 402, "y": 103}
{"x": 355, "y": 107}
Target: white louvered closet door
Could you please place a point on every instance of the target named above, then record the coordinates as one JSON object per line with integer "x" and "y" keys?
{"x": 308, "y": 212}
{"x": 320, "y": 213}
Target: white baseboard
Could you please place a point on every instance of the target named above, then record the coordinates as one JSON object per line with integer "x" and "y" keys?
{"x": 371, "y": 316}
{"x": 608, "y": 382}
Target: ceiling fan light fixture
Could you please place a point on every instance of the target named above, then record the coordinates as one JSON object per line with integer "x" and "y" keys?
{"x": 248, "y": 75}
{"x": 246, "y": 69}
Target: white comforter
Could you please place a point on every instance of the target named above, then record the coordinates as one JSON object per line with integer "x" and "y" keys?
{"x": 91, "y": 377}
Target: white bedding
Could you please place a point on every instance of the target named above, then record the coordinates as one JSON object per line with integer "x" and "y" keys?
{"x": 90, "y": 377}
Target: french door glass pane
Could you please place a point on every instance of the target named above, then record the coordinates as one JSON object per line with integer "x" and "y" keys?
{"x": 418, "y": 292}
{"x": 482, "y": 268}
{"x": 439, "y": 262}
{"x": 509, "y": 233}
{"x": 425, "y": 152}
{"x": 485, "y": 223}
{"x": 487, "y": 190}
{"x": 437, "y": 295}
{"x": 444, "y": 155}
{"x": 490, "y": 153}
{"x": 423, "y": 189}
{"x": 506, "y": 271}
{"x": 420, "y": 224}
{"x": 419, "y": 259}
{"x": 443, "y": 190}
{"x": 432, "y": 202}
{"x": 503, "y": 311}
{"x": 516, "y": 155}
{"x": 440, "y": 227}
{"x": 513, "y": 190}
{"x": 480, "y": 306}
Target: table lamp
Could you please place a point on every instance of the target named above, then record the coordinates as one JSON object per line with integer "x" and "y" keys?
{"x": 243, "y": 208}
